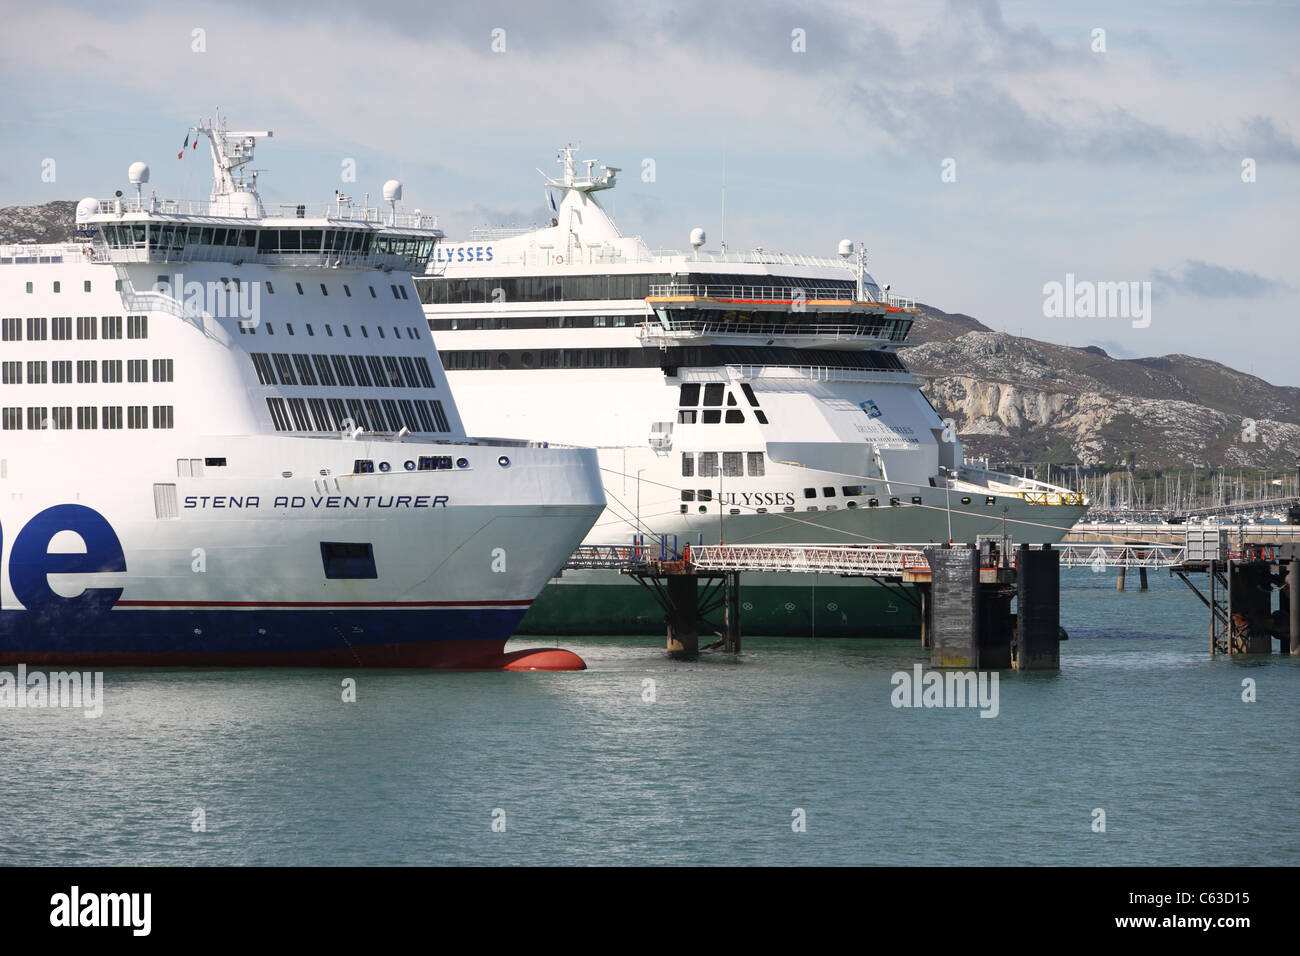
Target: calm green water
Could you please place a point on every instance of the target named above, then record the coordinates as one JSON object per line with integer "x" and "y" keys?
{"x": 1139, "y": 722}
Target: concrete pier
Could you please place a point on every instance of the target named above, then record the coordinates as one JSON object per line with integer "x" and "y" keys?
{"x": 954, "y": 607}
{"x": 1119, "y": 582}
{"x": 1142, "y": 579}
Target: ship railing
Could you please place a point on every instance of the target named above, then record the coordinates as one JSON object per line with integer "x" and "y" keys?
{"x": 237, "y": 255}
{"x": 347, "y": 212}
{"x": 654, "y": 332}
{"x": 42, "y": 252}
{"x": 762, "y": 293}
{"x": 807, "y": 373}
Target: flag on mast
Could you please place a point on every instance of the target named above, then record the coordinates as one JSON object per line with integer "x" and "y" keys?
{"x": 181, "y": 154}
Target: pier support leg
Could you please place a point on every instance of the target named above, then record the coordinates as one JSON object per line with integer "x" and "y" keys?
{"x": 1293, "y": 591}
{"x": 731, "y": 614}
{"x": 924, "y": 591}
{"x": 683, "y": 616}
{"x": 954, "y": 603}
{"x": 1249, "y": 607}
{"x": 1038, "y": 610}
{"x": 1142, "y": 579}
{"x": 995, "y": 627}
{"x": 1119, "y": 582}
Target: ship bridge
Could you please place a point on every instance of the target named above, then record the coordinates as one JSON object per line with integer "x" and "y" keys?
{"x": 233, "y": 225}
{"x": 701, "y": 314}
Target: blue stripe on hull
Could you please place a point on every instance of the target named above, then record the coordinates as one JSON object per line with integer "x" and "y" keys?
{"x": 428, "y": 637}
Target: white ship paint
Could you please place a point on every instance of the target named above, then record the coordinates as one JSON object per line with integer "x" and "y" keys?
{"x": 749, "y": 397}
{"x": 278, "y": 478}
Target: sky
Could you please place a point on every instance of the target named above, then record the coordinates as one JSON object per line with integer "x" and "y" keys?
{"x": 979, "y": 150}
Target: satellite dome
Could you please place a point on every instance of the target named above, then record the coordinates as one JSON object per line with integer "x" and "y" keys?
{"x": 846, "y": 247}
{"x": 138, "y": 173}
{"x": 392, "y": 190}
{"x": 697, "y": 237}
{"x": 87, "y": 208}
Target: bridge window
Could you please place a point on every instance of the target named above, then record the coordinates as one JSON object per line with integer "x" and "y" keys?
{"x": 688, "y": 461}
{"x": 756, "y": 464}
{"x": 708, "y": 464}
{"x": 713, "y": 394}
{"x": 735, "y": 416}
{"x": 690, "y": 394}
{"x": 828, "y": 492}
{"x": 712, "y": 416}
{"x": 687, "y": 416}
{"x": 731, "y": 464}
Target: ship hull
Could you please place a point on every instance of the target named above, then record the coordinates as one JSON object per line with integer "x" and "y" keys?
{"x": 818, "y": 605}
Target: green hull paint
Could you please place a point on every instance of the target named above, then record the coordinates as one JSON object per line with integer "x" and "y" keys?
{"x": 866, "y": 611}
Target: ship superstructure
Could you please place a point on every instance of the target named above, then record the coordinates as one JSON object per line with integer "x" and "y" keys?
{"x": 748, "y": 397}
{"x": 225, "y": 437}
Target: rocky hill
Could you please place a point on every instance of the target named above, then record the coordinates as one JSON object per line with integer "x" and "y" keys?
{"x": 1021, "y": 400}
{"x": 51, "y": 222}
{"x": 1018, "y": 399}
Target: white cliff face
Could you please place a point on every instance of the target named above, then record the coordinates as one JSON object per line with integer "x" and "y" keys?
{"x": 1016, "y": 398}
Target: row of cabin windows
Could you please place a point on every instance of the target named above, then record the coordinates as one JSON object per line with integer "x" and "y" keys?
{"x": 671, "y": 359}
{"x": 372, "y": 414}
{"x": 541, "y": 358}
{"x": 60, "y": 328}
{"x": 59, "y": 372}
{"x": 368, "y": 371}
{"x": 250, "y": 327}
{"x": 399, "y": 292}
{"x": 456, "y": 291}
{"x": 735, "y": 464}
{"x": 85, "y": 286}
{"x": 535, "y": 322}
{"x": 88, "y": 417}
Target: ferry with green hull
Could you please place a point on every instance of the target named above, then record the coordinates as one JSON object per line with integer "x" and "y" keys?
{"x": 752, "y": 397}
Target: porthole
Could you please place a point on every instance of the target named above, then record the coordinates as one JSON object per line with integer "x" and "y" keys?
{"x": 384, "y": 466}
{"x": 462, "y": 462}
{"x": 916, "y": 499}
{"x": 409, "y": 465}
{"x": 503, "y": 461}
{"x": 526, "y": 360}
{"x": 965, "y": 499}
{"x": 873, "y": 503}
{"x": 703, "y": 509}
{"x": 853, "y": 504}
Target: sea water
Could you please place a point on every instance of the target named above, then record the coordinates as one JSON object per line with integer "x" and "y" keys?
{"x": 1140, "y": 751}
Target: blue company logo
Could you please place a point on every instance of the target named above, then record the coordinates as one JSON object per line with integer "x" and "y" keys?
{"x": 31, "y": 563}
{"x": 462, "y": 254}
{"x": 870, "y": 408}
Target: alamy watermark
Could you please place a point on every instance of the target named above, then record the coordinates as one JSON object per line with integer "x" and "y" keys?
{"x": 37, "y": 689}
{"x": 231, "y": 298}
{"x": 946, "y": 689}
{"x": 1084, "y": 299}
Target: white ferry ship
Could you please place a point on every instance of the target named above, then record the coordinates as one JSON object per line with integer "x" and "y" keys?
{"x": 226, "y": 438}
{"x": 752, "y": 397}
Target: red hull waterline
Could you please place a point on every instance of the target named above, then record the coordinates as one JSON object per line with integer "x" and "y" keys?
{"x": 483, "y": 655}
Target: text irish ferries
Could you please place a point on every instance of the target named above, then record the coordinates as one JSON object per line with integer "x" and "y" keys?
{"x": 226, "y": 439}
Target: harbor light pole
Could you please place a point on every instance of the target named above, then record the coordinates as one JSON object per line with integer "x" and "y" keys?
{"x": 638, "y": 499}
{"x": 947, "y": 494}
